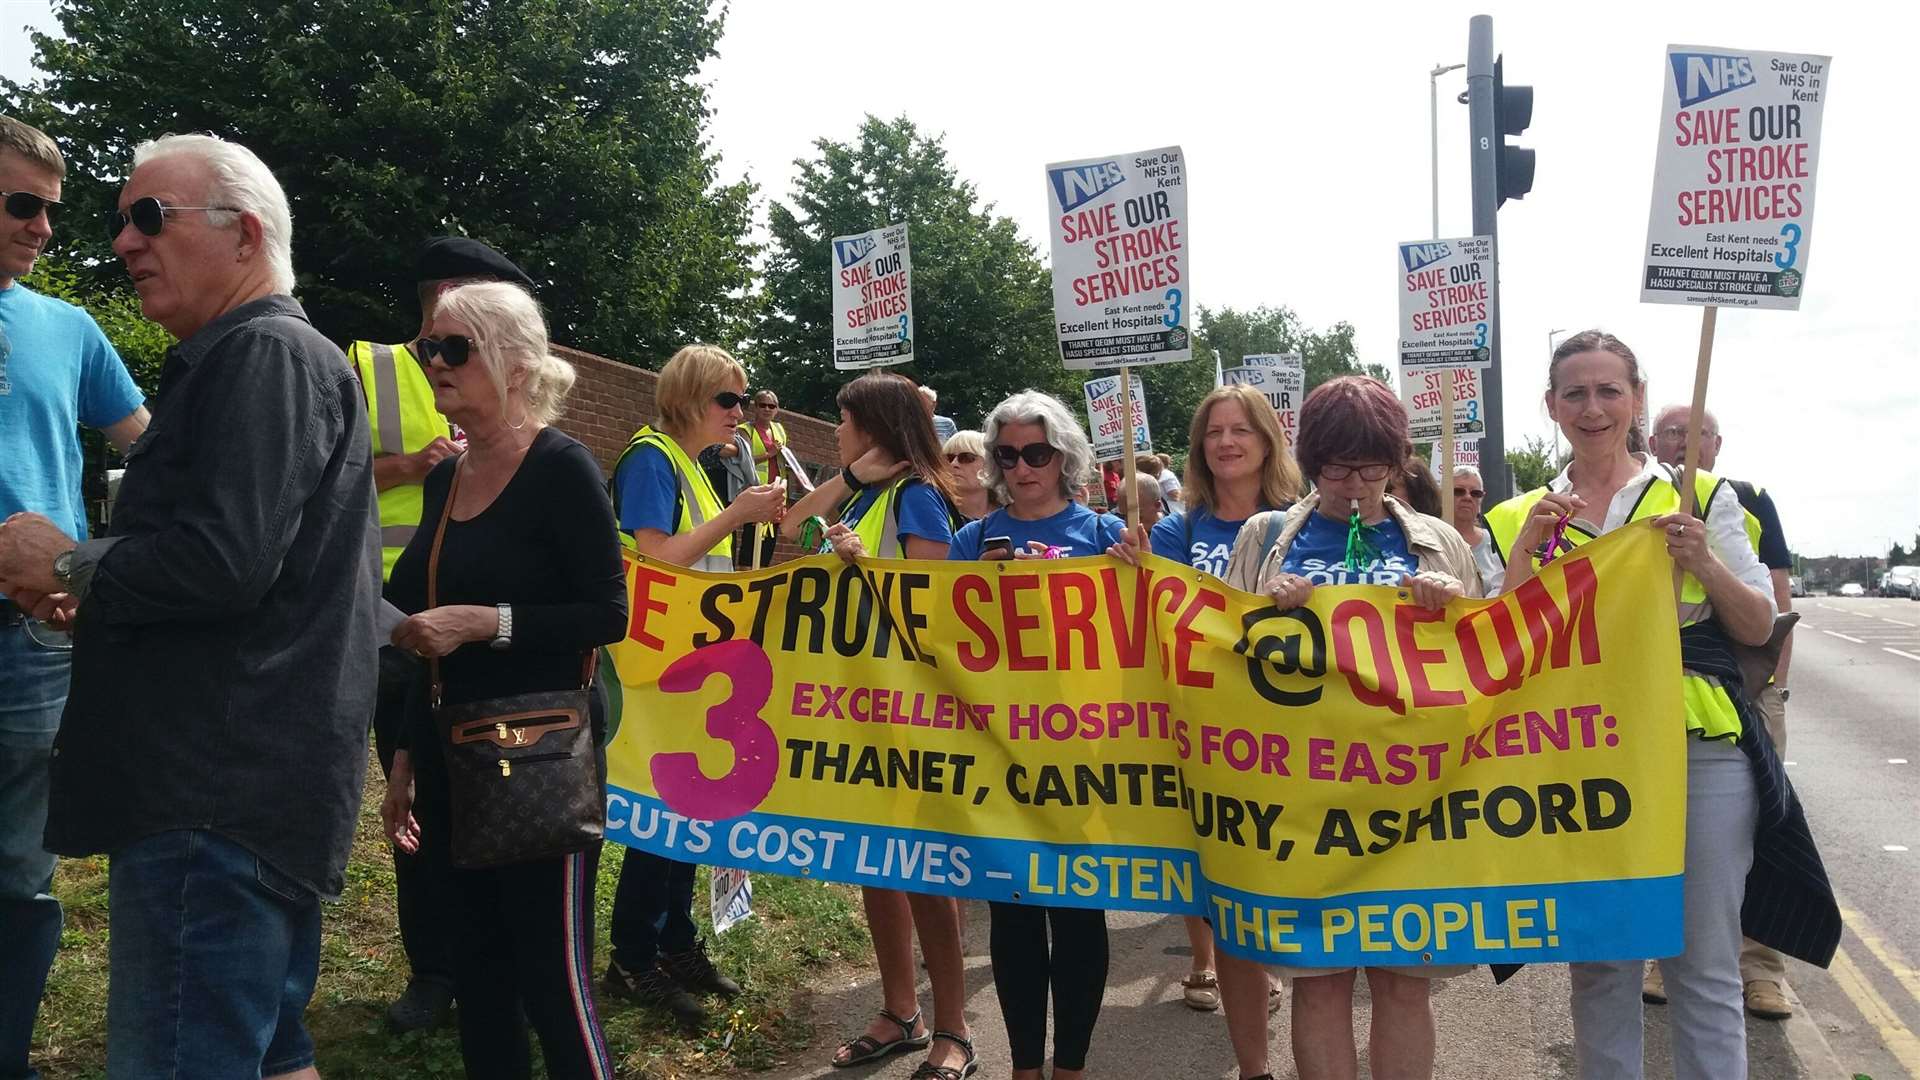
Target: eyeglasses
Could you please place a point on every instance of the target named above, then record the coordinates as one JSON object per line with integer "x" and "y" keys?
{"x": 766, "y": 404}
{"x": 727, "y": 399}
{"x": 1461, "y": 493}
{"x": 1679, "y": 431}
{"x": 454, "y": 349}
{"x": 26, "y": 206}
{"x": 1367, "y": 472}
{"x": 1036, "y": 455}
{"x": 149, "y": 215}
{"x": 962, "y": 458}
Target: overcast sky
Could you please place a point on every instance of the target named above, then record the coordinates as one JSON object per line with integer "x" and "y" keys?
{"x": 1306, "y": 140}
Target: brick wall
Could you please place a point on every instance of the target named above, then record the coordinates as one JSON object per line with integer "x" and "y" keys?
{"x": 610, "y": 401}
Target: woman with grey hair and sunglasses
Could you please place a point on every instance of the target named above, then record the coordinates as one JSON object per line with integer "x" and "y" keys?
{"x": 1037, "y": 457}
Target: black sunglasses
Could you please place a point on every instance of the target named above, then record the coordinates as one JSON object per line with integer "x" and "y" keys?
{"x": 149, "y": 215}
{"x": 26, "y": 206}
{"x": 962, "y": 458}
{"x": 453, "y": 350}
{"x": 1475, "y": 492}
{"x": 727, "y": 399}
{"x": 1036, "y": 455}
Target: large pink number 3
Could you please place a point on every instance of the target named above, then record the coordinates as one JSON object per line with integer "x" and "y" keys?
{"x": 735, "y": 721}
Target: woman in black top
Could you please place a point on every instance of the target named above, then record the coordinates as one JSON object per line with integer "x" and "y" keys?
{"x": 530, "y": 580}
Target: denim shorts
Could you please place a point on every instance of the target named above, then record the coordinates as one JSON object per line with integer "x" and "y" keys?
{"x": 213, "y": 955}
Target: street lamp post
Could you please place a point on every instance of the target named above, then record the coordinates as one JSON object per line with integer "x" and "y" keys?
{"x": 1433, "y": 112}
{"x": 1555, "y": 427}
{"x": 1433, "y": 109}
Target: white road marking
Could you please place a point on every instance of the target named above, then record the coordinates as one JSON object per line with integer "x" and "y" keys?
{"x": 1895, "y": 622}
{"x": 1843, "y": 637}
{"x": 1897, "y": 652}
{"x": 1893, "y": 847}
{"x": 1896, "y": 761}
{"x": 1789, "y": 763}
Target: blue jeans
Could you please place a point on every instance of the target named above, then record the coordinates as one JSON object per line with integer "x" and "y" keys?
{"x": 33, "y": 691}
{"x": 212, "y": 959}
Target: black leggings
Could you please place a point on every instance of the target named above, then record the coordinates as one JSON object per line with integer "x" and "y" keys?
{"x": 1024, "y": 967}
{"x": 526, "y": 956}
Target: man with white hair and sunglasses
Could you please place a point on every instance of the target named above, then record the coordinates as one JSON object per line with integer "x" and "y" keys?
{"x": 215, "y": 738}
{"x": 57, "y": 371}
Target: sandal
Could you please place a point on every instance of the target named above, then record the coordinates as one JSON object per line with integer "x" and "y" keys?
{"x": 929, "y": 1071}
{"x": 866, "y": 1048}
{"x": 1202, "y": 991}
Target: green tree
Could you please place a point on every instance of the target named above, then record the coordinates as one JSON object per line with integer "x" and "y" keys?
{"x": 1533, "y": 463}
{"x": 982, "y": 301}
{"x": 140, "y": 341}
{"x": 1175, "y": 390}
{"x": 567, "y": 133}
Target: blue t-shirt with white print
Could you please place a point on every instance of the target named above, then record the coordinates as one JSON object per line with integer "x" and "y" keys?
{"x": 1196, "y": 538}
{"x": 1319, "y": 554}
{"x": 1077, "y": 531}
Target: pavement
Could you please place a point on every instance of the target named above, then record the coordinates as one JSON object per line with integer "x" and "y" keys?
{"x": 1521, "y": 1029}
{"x": 1853, "y": 745}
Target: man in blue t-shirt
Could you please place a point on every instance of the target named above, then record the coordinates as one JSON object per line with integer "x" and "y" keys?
{"x": 57, "y": 371}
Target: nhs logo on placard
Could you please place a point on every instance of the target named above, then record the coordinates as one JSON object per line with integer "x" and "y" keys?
{"x": 1419, "y": 255}
{"x": 1076, "y": 185}
{"x": 1700, "y": 76}
{"x": 852, "y": 251}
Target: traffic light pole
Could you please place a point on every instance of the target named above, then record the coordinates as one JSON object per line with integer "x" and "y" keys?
{"x": 1486, "y": 134}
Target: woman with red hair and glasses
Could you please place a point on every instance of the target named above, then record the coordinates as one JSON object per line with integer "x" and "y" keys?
{"x": 1353, "y": 439}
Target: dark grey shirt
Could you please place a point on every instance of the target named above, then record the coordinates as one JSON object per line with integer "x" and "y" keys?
{"x": 224, "y": 652}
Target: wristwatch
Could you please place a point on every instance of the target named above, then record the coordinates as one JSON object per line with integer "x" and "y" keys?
{"x": 503, "y": 631}
{"x": 63, "y": 569}
{"x": 854, "y": 484}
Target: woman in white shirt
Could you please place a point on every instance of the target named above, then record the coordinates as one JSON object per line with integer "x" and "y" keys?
{"x": 1594, "y": 393}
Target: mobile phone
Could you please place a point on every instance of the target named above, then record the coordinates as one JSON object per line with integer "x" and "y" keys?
{"x": 1002, "y": 544}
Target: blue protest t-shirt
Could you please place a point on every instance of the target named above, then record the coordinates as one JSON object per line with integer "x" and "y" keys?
{"x": 1196, "y": 538}
{"x": 57, "y": 371}
{"x": 921, "y": 510}
{"x": 1077, "y": 531}
{"x": 649, "y": 491}
{"x": 1319, "y": 554}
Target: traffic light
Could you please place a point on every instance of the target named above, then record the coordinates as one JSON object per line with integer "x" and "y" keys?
{"x": 1512, "y": 112}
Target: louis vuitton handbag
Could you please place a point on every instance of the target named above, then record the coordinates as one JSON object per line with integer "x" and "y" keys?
{"x": 521, "y": 770}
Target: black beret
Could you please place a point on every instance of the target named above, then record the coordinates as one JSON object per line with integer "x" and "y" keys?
{"x": 463, "y": 257}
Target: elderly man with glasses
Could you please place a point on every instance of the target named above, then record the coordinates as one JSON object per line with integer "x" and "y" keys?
{"x": 57, "y": 371}
{"x": 214, "y": 741}
{"x": 1763, "y": 974}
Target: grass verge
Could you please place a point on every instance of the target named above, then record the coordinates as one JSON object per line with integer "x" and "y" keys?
{"x": 799, "y": 930}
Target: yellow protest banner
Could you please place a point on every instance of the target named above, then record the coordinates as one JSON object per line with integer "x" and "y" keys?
{"x": 1359, "y": 780}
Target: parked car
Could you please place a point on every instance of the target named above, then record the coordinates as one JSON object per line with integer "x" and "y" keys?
{"x": 1796, "y": 587}
{"x": 1902, "y": 581}
{"x": 1853, "y": 588}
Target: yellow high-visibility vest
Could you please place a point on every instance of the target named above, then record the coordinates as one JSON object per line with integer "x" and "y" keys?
{"x": 878, "y": 526}
{"x": 1710, "y": 711}
{"x": 766, "y": 470}
{"x": 696, "y": 505}
{"x": 404, "y": 421}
